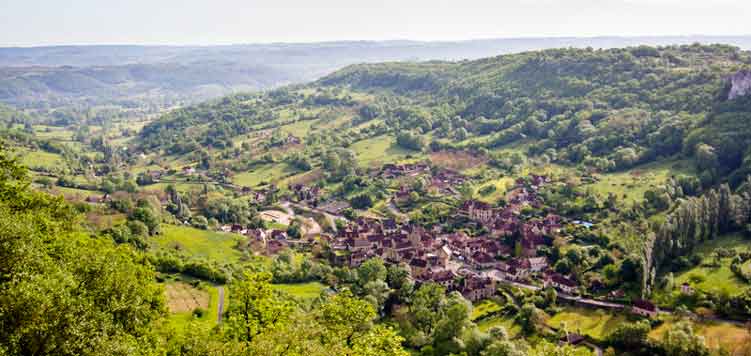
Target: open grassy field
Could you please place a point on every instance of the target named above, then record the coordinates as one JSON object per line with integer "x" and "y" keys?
{"x": 505, "y": 322}
{"x": 717, "y": 335}
{"x": 484, "y": 308}
{"x": 594, "y": 323}
{"x": 263, "y": 174}
{"x": 52, "y": 132}
{"x": 41, "y": 159}
{"x": 310, "y": 290}
{"x": 73, "y": 193}
{"x": 501, "y": 187}
{"x": 378, "y": 150}
{"x": 300, "y": 128}
{"x": 629, "y": 186}
{"x": 715, "y": 279}
{"x": 211, "y": 245}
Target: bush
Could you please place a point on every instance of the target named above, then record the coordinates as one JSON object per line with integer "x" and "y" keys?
{"x": 199, "y": 312}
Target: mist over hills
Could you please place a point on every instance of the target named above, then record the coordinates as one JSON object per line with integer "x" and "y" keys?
{"x": 170, "y": 75}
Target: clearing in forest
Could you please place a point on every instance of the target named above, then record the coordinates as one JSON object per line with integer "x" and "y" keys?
{"x": 182, "y": 297}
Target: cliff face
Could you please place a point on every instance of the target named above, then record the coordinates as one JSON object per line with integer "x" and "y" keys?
{"x": 740, "y": 84}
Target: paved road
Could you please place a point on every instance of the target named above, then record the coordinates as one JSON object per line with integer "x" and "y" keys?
{"x": 593, "y": 302}
{"x": 220, "y": 310}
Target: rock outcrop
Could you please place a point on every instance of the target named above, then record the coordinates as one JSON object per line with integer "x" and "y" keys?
{"x": 740, "y": 84}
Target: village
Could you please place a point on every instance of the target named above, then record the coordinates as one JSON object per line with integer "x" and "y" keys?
{"x": 509, "y": 252}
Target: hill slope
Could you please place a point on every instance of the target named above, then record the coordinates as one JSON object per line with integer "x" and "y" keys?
{"x": 607, "y": 109}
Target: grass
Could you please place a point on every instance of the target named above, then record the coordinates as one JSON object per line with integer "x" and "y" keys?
{"x": 263, "y": 174}
{"x": 592, "y": 322}
{"x": 381, "y": 149}
{"x": 727, "y": 336}
{"x": 182, "y": 297}
{"x": 180, "y": 320}
{"x": 52, "y": 132}
{"x": 194, "y": 242}
{"x": 41, "y": 159}
{"x": 310, "y": 290}
{"x": 630, "y": 185}
{"x": 507, "y": 323}
{"x": 300, "y": 128}
{"x": 484, "y": 308}
{"x": 715, "y": 279}
{"x": 501, "y": 187}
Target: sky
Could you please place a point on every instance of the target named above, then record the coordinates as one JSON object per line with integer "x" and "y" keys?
{"x": 206, "y": 22}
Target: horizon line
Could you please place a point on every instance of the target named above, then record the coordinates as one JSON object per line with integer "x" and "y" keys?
{"x": 436, "y": 41}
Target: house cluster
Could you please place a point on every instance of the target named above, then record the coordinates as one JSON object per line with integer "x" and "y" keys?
{"x": 259, "y": 195}
{"x": 445, "y": 181}
{"x": 390, "y": 170}
{"x": 438, "y": 257}
{"x": 268, "y": 242}
{"x": 428, "y": 254}
{"x": 305, "y": 194}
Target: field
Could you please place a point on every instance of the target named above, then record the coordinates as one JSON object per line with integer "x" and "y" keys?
{"x": 481, "y": 316}
{"x": 310, "y": 290}
{"x": 41, "y": 159}
{"x": 716, "y": 335}
{"x": 594, "y": 323}
{"x": 715, "y": 279}
{"x": 379, "y": 150}
{"x": 52, "y": 132}
{"x": 182, "y": 297}
{"x": 211, "y": 245}
{"x": 484, "y": 308}
{"x": 630, "y": 185}
{"x": 299, "y": 128}
{"x": 263, "y": 174}
{"x": 505, "y": 322}
{"x": 501, "y": 187}
{"x": 458, "y": 161}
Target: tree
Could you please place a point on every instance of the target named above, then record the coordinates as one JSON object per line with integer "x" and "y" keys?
{"x": 546, "y": 348}
{"x": 255, "y": 307}
{"x": 630, "y": 335}
{"x": 63, "y": 291}
{"x": 530, "y": 318}
{"x": 427, "y": 303}
{"x": 680, "y": 340}
{"x": 371, "y": 270}
{"x": 200, "y": 222}
{"x": 362, "y": 201}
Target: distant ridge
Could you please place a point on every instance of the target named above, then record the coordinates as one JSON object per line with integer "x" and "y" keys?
{"x": 106, "y": 55}
{"x": 167, "y": 76}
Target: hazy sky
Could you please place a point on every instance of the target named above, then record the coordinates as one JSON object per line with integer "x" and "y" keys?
{"x": 46, "y": 22}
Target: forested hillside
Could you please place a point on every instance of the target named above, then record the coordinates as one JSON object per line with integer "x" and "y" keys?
{"x": 607, "y": 109}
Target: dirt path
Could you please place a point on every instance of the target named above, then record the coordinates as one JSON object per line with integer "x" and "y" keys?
{"x": 220, "y": 309}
